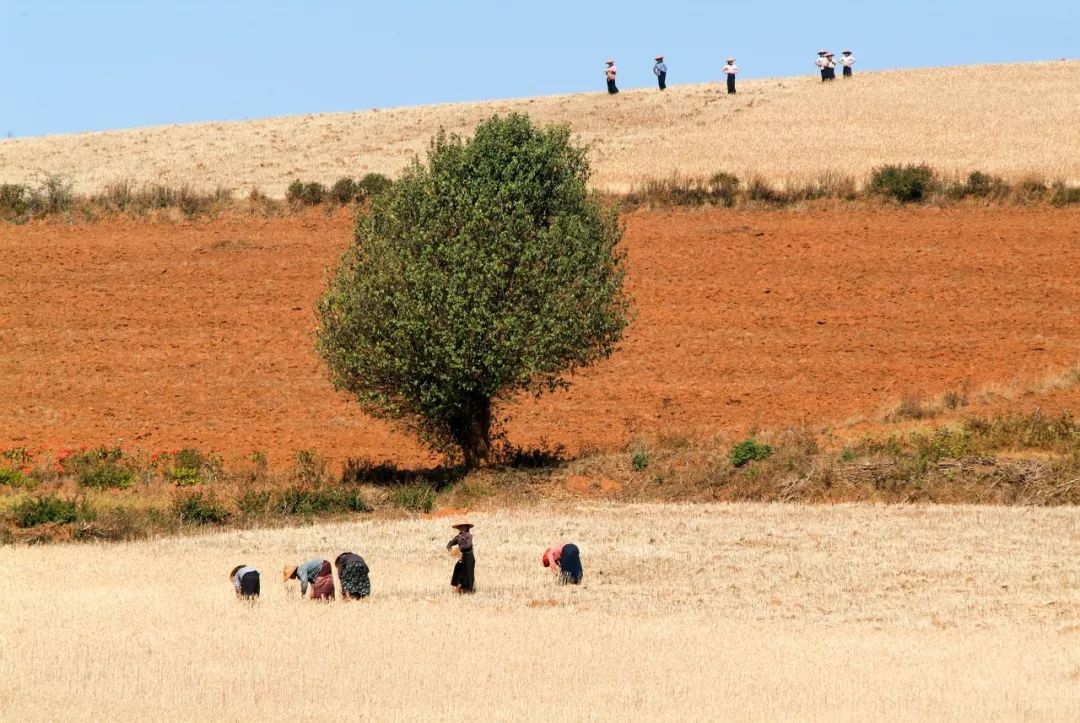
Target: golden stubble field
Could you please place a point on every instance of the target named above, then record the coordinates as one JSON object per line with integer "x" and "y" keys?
{"x": 743, "y": 612}
{"x": 1011, "y": 120}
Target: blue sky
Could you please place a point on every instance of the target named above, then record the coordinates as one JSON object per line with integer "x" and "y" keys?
{"x": 75, "y": 66}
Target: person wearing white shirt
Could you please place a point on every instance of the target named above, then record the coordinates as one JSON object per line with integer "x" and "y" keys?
{"x": 830, "y": 67}
{"x": 609, "y": 74}
{"x": 660, "y": 71}
{"x": 822, "y": 63}
{"x": 730, "y": 70}
{"x": 847, "y": 61}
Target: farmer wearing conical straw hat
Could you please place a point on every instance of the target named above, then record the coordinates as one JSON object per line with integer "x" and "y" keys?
{"x": 823, "y": 64}
{"x": 463, "y": 580}
{"x": 660, "y": 71}
{"x": 316, "y": 573}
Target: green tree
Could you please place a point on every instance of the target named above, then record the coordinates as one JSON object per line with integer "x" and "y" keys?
{"x": 489, "y": 271}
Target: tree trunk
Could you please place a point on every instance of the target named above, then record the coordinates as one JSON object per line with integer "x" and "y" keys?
{"x": 474, "y": 431}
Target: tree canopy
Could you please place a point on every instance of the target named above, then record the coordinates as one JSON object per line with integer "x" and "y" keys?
{"x": 488, "y": 271}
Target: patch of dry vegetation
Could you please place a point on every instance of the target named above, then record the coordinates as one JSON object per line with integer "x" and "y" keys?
{"x": 710, "y": 612}
{"x": 789, "y": 132}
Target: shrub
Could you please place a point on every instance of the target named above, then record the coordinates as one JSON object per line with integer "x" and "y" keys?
{"x": 301, "y": 500}
{"x": 344, "y": 191}
{"x": 14, "y": 203}
{"x": 100, "y": 468}
{"x": 1062, "y": 195}
{"x": 982, "y": 185}
{"x": 761, "y": 191}
{"x": 15, "y": 478}
{"x": 1030, "y": 189}
{"x": 414, "y": 497}
{"x": 192, "y": 467}
{"x": 749, "y": 451}
{"x": 723, "y": 188}
{"x": 199, "y": 507}
{"x": 639, "y": 460}
{"x": 906, "y": 184}
{"x": 55, "y": 196}
{"x": 310, "y": 467}
{"x": 500, "y": 233}
{"x": 254, "y": 503}
{"x": 34, "y": 511}
{"x": 305, "y": 194}
{"x": 372, "y": 185}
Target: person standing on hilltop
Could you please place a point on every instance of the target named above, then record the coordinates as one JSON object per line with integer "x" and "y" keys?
{"x": 730, "y": 70}
{"x": 464, "y": 577}
{"x": 660, "y": 71}
{"x": 823, "y": 64}
{"x": 609, "y": 74}
{"x": 830, "y": 67}
{"x": 847, "y": 61}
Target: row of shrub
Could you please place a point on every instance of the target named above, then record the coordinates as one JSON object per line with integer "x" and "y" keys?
{"x": 54, "y": 197}
{"x": 898, "y": 183}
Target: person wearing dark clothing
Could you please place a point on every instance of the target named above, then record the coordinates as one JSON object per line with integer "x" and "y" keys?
{"x": 830, "y": 68}
{"x": 464, "y": 577}
{"x": 823, "y": 64}
{"x": 609, "y": 74}
{"x": 730, "y": 70}
{"x": 353, "y": 573}
{"x": 566, "y": 561}
{"x": 660, "y": 71}
{"x": 245, "y": 580}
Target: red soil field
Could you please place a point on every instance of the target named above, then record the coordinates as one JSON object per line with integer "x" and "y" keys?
{"x": 165, "y": 335}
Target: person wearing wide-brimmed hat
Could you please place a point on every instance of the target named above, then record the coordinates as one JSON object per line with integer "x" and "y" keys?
{"x": 316, "y": 573}
{"x": 660, "y": 71}
{"x": 830, "y": 66}
{"x": 609, "y": 73}
{"x": 245, "y": 580}
{"x": 565, "y": 561}
{"x": 730, "y": 70}
{"x": 823, "y": 64}
{"x": 464, "y": 577}
{"x": 847, "y": 60}
{"x": 353, "y": 573}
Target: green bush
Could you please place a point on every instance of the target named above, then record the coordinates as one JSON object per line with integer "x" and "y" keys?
{"x": 414, "y": 497}
{"x": 344, "y": 191}
{"x": 639, "y": 460}
{"x": 1062, "y": 195}
{"x": 748, "y": 451}
{"x": 500, "y": 235}
{"x": 305, "y": 194}
{"x": 192, "y": 467}
{"x": 254, "y": 503}
{"x": 982, "y": 185}
{"x": 906, "y": 184}
{"x": 723, "y": 189}
{"x": 34, "y": 511}
{"x": 199, "y": 507}
{"x": 372, "y": 185}
{"x": 15, "y": 203}
{"x": 302, "y": 500}
{"x": 100, "y": 468}
{"x": 15, "y": 478}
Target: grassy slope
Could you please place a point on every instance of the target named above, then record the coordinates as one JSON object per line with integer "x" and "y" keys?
{"x": 1011, "y": 120}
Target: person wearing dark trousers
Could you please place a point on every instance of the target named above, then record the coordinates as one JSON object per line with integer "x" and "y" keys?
{"x": 660, "y": 71}
{"x": 847, "y": 61}
{"x": 831, "y": 66}
{"x": 823, "y": 65}
{"x": 245, "y": 580}
{"x": 463, "y": 579}
{"x": 609, "y": 74}
{"x": 730, "y": 70}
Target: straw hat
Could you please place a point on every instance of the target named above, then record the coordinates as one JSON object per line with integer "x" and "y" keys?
{"x": 659, "y": 57}
{"x": 288, "y": 572}
{"x": 731, "y": 60}
{"x": 463, "y": 526}
{"x": 847, "y": 52}
{"x": 609, "y": 61}
{"x": 822, "y": 52}
{"x": 828, "y": 55}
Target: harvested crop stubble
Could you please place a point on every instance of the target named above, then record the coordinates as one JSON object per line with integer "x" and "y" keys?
{"x": 781, "y": 129}
{"x": 756, "y": 612}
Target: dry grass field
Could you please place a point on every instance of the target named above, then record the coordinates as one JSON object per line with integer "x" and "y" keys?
{"x": 1010, "y": 120}
{"x": 743, "y": 612}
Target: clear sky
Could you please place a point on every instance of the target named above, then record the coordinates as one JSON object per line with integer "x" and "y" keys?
{"x": 97, "y": 64}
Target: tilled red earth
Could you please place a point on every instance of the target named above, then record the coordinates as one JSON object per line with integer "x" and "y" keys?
{"x": 165, "y": 335}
